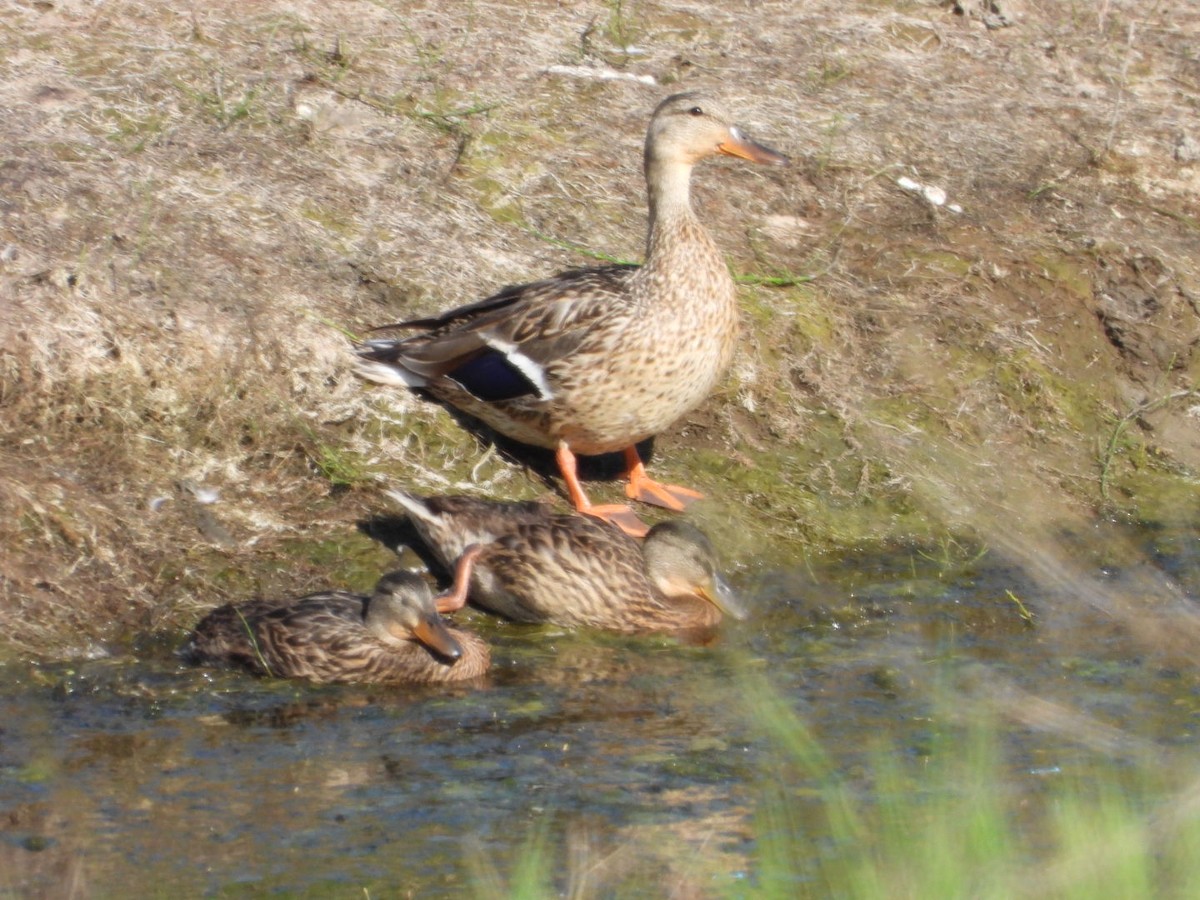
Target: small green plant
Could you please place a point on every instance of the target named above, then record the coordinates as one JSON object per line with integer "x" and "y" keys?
{"x": 1022, "y": 610}
{"x": 1115, "y": 439}
{"x": 341, "y": 468}
{"x": 215, "y": 102}
{"x": 529, "y": 877}
{"x": 619, "y": 27}
{"x": 262, "y": 660}
{"x": 831, "y": 72}
{"x": 952, "y": 555}
{"x": 562, "y": 244}
{"x": 451, "y": 119}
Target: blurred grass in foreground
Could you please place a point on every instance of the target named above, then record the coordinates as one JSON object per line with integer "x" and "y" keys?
{"x": 959, "y": 821}
{"x": 955, "y": 820}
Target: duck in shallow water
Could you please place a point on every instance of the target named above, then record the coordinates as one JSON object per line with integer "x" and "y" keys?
{"x": 531, "y": 565}
{"x": 394, "y": 636}
{"x": 596, "y": 360}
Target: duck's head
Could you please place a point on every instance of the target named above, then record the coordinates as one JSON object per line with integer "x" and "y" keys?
{"x": 402, "y": 609}
{"x": 687, "y": 127}
{"x": 681, "y": 561}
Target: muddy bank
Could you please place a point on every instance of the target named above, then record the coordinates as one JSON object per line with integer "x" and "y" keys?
{"x": 970, "y": 305}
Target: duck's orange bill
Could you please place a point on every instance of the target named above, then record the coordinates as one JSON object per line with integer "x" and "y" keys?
{"x": 721, "y": 595}
{"x": 741, "y": 146}
{"x": 432, "y": 632}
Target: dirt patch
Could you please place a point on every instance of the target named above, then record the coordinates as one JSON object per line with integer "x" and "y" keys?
{"x": 1149, "y": 317}
{"x": 985, "y": 252}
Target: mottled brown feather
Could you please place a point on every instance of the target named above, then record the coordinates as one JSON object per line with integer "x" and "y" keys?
{"x": 322, "y": 637}
{"x": 538, "y": 566}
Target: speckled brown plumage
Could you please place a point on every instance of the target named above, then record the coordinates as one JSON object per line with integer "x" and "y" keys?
{"x": 596, "y": 360}
{"x": 537, "y": 566}
{"x": 337, "y": 636}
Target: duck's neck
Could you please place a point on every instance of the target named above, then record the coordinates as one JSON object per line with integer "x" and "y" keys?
{"x": 680, "y": 611}
{"x": 410, "y": 661}
{"x": 673, "y": 225}
{"x": 475, "y": 659}
{"x": 375, "y": 620}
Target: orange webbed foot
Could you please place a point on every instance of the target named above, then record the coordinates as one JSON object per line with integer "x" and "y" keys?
{"x": 645, "y": 489}
{"x": 669, "y": 496}
{"x": 619, "y": 515}
{"x": 616, "y": 514}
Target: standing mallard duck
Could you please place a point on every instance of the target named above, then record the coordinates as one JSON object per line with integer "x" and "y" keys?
{"x": 595, "y": 360}
{"x": 531, "y": 565}
{"x": 393, "y": 636}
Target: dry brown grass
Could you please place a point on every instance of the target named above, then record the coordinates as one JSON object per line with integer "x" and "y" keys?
{"x": 193, "y": 199}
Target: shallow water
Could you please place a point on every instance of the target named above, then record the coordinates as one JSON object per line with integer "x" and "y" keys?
{"x": 133, "y": 775}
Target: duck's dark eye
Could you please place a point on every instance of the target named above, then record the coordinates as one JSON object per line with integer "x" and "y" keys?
{"x": 695, "y": 111}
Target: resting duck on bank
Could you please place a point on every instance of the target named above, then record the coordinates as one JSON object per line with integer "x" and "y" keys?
{"x": 596, "y": 360}
{"x": 391, "y": 637}
{"x": 532, "y": 565}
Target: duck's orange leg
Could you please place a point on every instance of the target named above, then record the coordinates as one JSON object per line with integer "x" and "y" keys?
{"x": 644, "y": 488}
{"x": 621, "y": 516}
{"x": 456, "y": 597}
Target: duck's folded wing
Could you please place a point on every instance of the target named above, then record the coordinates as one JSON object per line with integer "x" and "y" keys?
{"x": 519, "y": 300}
{"x": 498, "y": 348}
